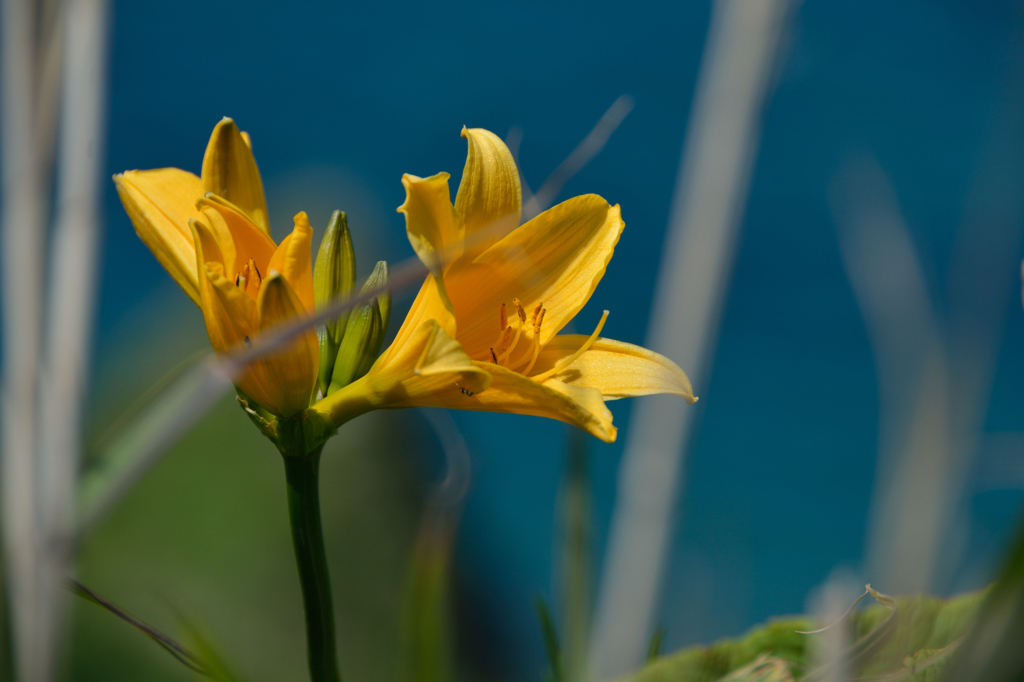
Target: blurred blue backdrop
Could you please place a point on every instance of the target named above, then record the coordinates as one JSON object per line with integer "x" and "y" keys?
{"x": 341, "y": 99}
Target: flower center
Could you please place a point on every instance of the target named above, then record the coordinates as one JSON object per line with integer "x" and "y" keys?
{"x": 502, "y": 348}
{"x": 249, "y": 279}
{"x": 508, "y": 340}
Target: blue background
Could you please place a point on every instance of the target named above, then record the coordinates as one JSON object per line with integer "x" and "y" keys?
{"x": 341, "y": 99}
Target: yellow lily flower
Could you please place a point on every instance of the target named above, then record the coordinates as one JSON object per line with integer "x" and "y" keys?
{"x": 212, "y": 235}
{"x": 483, "y": 332}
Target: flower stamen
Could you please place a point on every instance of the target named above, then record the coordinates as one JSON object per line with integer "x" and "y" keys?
{"x": 509, "y": 347}
{"x": 565, "y": 362}
{"x": 502, "y": 324}
{"x": 249, "y": 279}
{"x": 538, "y": 319}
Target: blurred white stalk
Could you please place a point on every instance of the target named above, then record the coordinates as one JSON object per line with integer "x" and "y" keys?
{"x": 935, "y": 375}
{"x": 71, "y": 305}
{"x": 23, "y": 248}
{"x": 917, "y": 473}
{"x": 710, "y": 194}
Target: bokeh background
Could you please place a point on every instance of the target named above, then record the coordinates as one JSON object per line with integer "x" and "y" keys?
{"x": 920, "y": 98}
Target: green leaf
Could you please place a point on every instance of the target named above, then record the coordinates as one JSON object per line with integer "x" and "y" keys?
{"x": 906, "y": 638}
{"x": 551, "y": 644}
{"x": 426, "y": 636}
{"x": 176, "y": 650}
{"x": 992, "y": 652}
{"x": 654, "y": 648}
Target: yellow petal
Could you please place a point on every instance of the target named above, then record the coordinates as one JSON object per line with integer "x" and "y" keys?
{"x": 229, "y": 170}
{"x": 230, "y": 314}
{"x": 435, "y": 230}
{"x": 490, "y": 199}
{"x": 290, "y": 372}
{"x": 512, "y": 392}
{"x": 616, "y": 369}
{"x": 160, "y": 203}
{"x": 429, "y": 367}
{"x": 239, "y": 238}
{"x": 294, "y": 260}
{"x": 429, "y": 305}
{"x": 557, "y": 258}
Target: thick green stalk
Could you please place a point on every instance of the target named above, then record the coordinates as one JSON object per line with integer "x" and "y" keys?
{"x": 303, "y": 476}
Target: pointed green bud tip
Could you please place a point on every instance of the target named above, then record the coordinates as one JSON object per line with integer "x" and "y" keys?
{"x": 334, "y": 278}
{"x": 359, "y": 346}
{"x": 380, "y": 280}
{"x": 364, "y": 334}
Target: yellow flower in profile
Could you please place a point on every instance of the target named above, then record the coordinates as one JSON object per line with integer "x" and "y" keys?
{"x": 212, "y": 235}
{"x": 483, "y": 332}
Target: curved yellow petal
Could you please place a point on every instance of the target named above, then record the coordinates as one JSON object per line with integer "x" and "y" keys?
{"x": 490, "y": 199}
{"x": 294, "y": 260}
{"x": 435, "y": 230}
{"x": 229, "y": 170}
{"x": 290, "y": 373}
{"x": 160, "y": 203}
{"x": 513, "y": 393}
{"x": 249, "y": 240}
{"x": 229, "y": 314}
{"x": 424, "y": 370}
{"x": 557, "y": 258}
{"x": 615, "y": 368}
{"x": 428, "y": 305}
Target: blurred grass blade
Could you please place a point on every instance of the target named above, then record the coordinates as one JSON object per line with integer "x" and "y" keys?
{"x": 427, "y": 642}
{"x": 71, "y": 304}
{"x": 551, "y": 643}
{"x": 992, "y": 651}
{"x": 654, "y": 648}
{"x": 182, "y": 655}
{"x": 142, "y": 443}
{"x": 576, "y": 558}
{"x": 23, "y": 201}
{"x": 586, "y": 150}
{"x": 208, "y": 652}
{"x": 427, "y": 636}
{"x": 722, "y": 137}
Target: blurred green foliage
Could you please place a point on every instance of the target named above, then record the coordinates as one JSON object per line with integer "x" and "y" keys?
{"x": 204, "y": 540}
{"x": 914, "y": 643}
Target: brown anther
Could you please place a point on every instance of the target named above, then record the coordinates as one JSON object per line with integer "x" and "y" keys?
{"x": 505, "y": 339}
{"x": 536, "y": 311}
{"x": 255, "y": 273}
{"x": 502, "y": 318}
{"x": 494, "y": 358}
{"x": 519, "y": 310}
{"x": 540, "y": 320}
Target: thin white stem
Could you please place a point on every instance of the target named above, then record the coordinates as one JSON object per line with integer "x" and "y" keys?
{"x": 23, "y": 196}
{"x": 710, "y": 194}
{"x": 71, "y": 301}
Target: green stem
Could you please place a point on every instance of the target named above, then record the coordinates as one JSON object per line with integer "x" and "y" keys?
{"x": 303, "y": 476}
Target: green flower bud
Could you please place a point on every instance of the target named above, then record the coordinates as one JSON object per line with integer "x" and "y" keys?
{"x": 334, "y": 278}
{"x": 364, "y": 333}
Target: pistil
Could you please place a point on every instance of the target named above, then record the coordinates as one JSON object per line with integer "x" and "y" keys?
{"x": 565, "y": 362}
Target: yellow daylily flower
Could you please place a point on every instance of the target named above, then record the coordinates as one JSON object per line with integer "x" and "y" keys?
{"x": 483, "y": 332}
{"x": 211, "y": 234}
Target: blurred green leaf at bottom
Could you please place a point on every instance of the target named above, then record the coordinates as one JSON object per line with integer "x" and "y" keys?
{"x": 205, "y": 537}
{"x": 924, "y": 634}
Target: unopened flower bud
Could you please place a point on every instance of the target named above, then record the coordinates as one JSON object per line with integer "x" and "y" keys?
{"x": 334, "y": 278}
{"x": 364, "y": 333}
